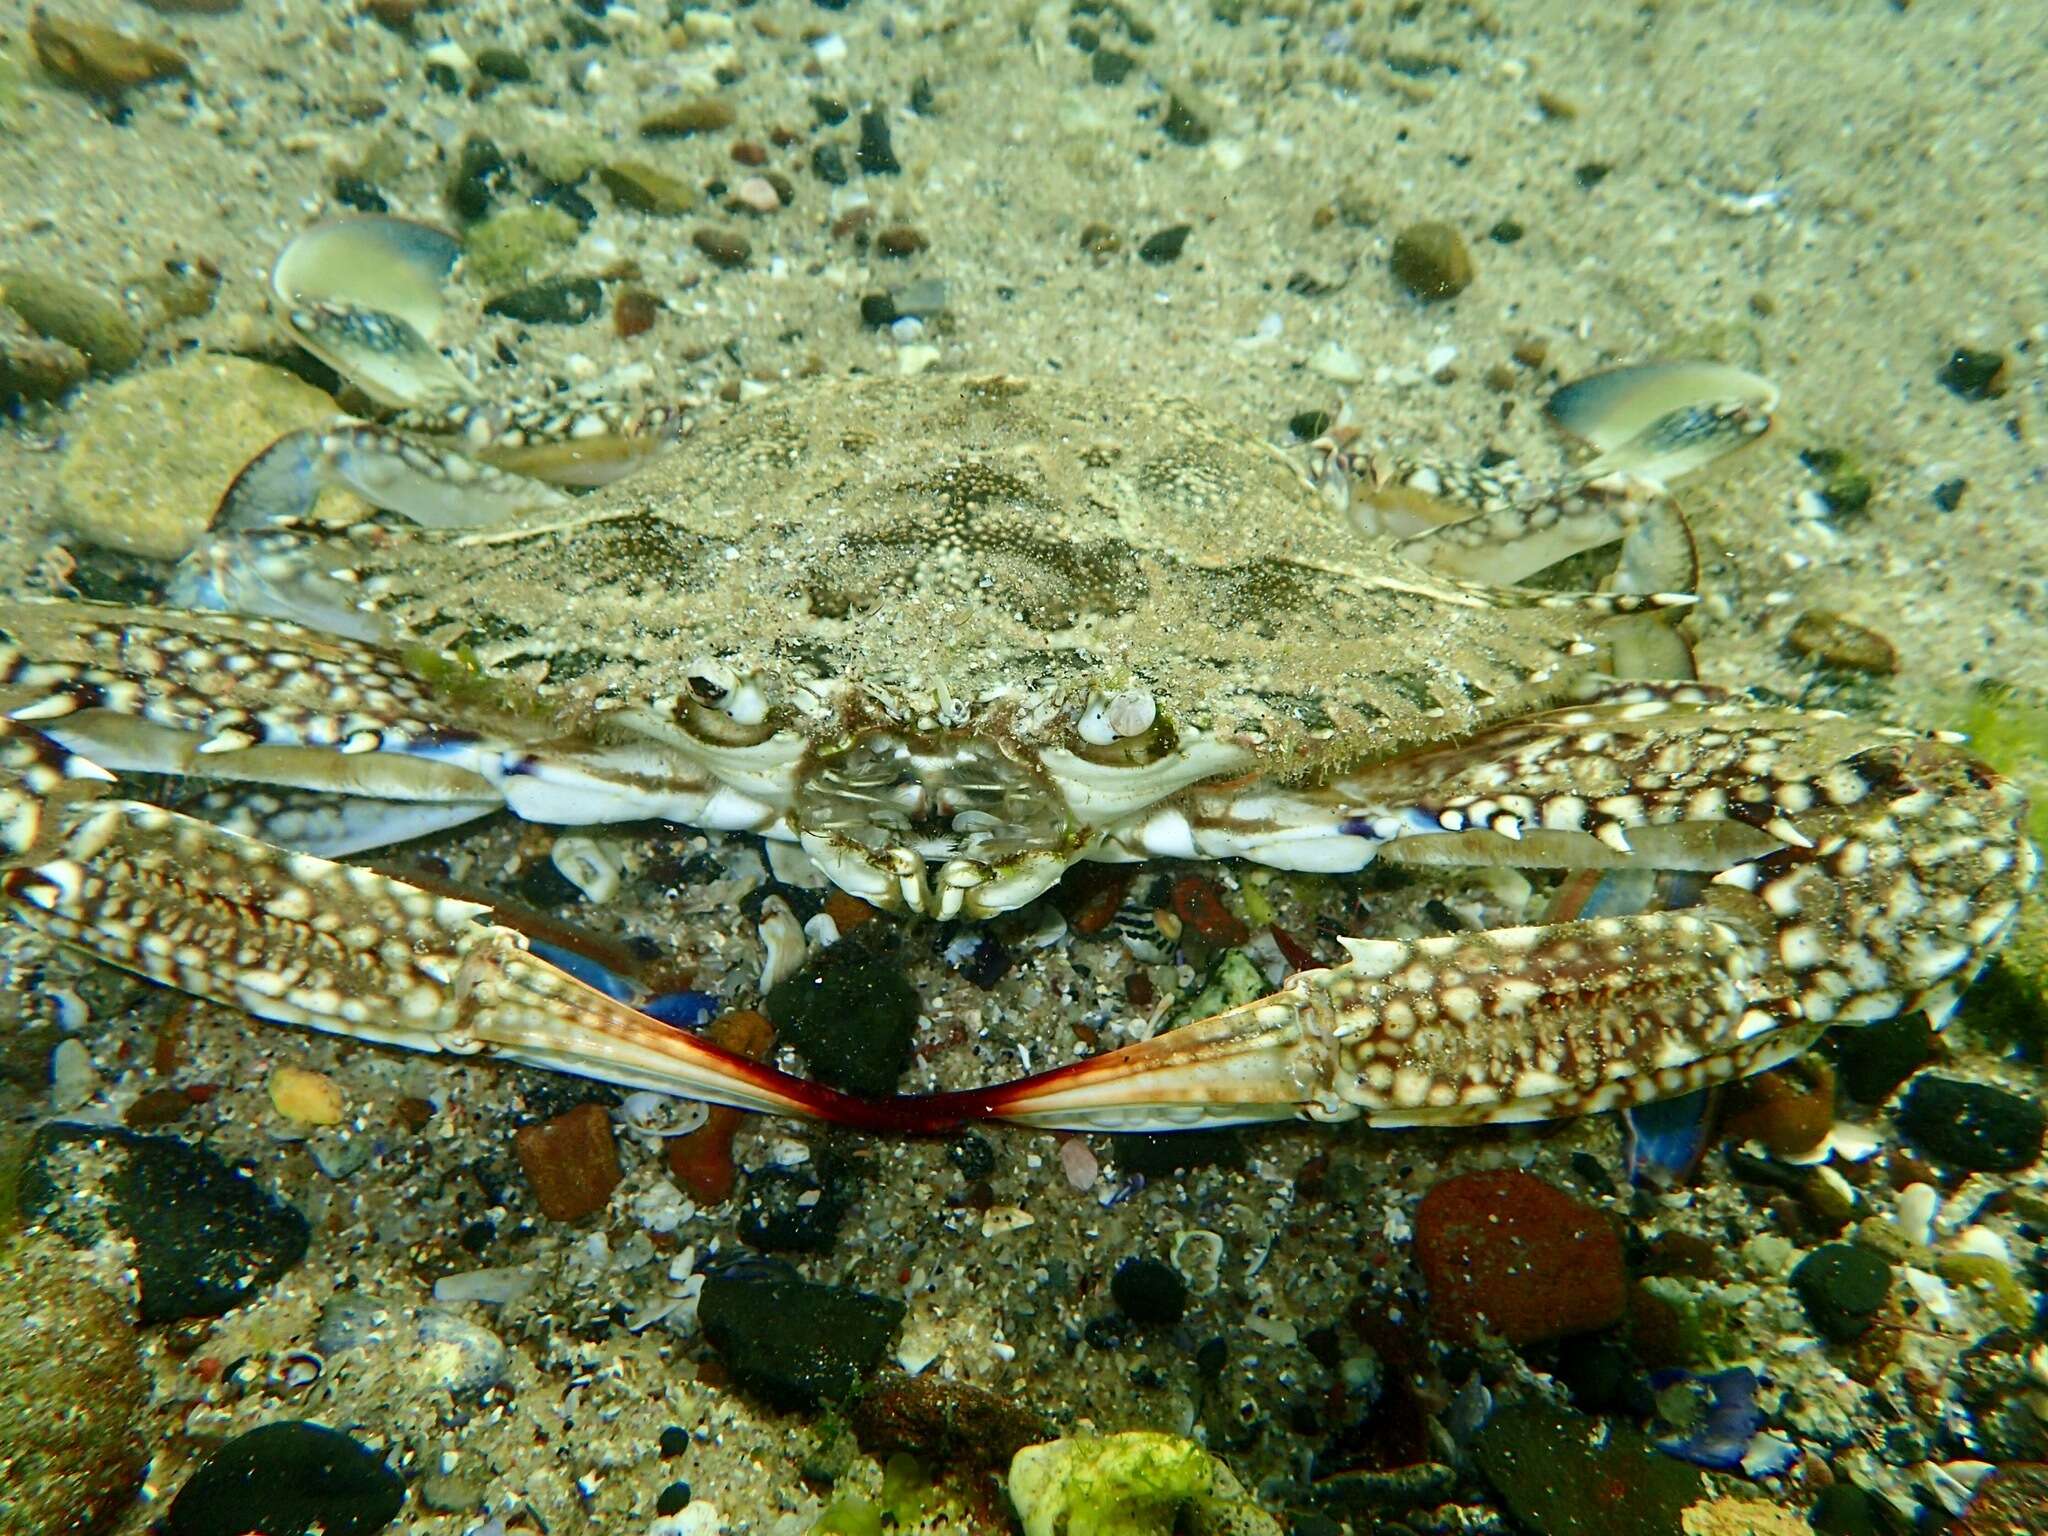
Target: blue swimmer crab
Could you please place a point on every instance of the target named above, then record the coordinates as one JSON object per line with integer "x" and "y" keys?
{"x": 948, "y": 637}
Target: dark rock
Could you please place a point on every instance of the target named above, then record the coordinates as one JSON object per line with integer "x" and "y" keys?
{"x": 794, "y": 1344}
{"x": 481, "y": 175}
{"x": 1973, "y": 1125}
{"x": 1973, "y": 375}
{"x": 206, "y": 1236}
{"x": 73, "y": 1397}
{"x": 878, "y": 311}
{"x": 1843, "y": 1288}
{"x": 1592, "y": 173}
{"x": 798, "y": 1210}
{"x": 1949, "y": 494}
{"x": 675, "y": 1441}
{"x": 555, "y": 301}
{"x": 1562, "y": 1474}
{"x": 1110, "y": 66}
{"x": 1182, "y": 125}
{"x": 850, "y": 1013}
{"x": 1871, "y": 1061}
{"x": 1307, "y": 426}
{"x": 2006, "y": 1011}
{"x": 1165, "y": 246}
{"x": 288, "y": 1479}
{"x": 2013, "y": 1501}
{"x": 876, "y": 155}
{"x": 1506, "y": 231}
{"x": 673, "y": 1499}
{"x": 1838, "y": 642}
{"x": 1506, "y": 1253}
{"x": 829, "y": 165}
{"x": 949, "y": 1422}
{"x": 830, "y": 111}
{"x": 354, "y": 192}
{"x": 1431, "y": 262}
{"x": 1846, "y": 1510}
{"x": 1150, "y": 1293}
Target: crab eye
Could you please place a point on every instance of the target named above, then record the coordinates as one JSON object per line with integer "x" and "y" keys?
{"x": 1124, "y": 727}
{"x": 723, "y": 706}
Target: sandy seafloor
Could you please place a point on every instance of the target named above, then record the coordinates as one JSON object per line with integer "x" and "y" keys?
{"x": 1843, "y": 193}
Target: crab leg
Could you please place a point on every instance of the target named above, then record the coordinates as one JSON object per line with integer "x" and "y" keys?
{"x": 1896, "y": 874}
{"x": 302, "y": 940}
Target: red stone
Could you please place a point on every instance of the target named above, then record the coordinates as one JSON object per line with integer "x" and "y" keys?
{"x": 571, "y": 1161}
{"x": 702, "y": 1160}
{"x": 1199, "y": 904}
{"x": 1508, "y": 1253}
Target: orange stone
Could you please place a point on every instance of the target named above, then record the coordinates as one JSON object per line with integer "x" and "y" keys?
{"x": 702, "y": 1161}
{"x": 1507, "y": 1253}
{"x": 571, "y": 1161}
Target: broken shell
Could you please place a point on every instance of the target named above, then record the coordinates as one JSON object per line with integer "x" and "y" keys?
{"x": 1653, "y": 422}
{"x": 366, "y": 296}
{"x": 1198, "y": 1256}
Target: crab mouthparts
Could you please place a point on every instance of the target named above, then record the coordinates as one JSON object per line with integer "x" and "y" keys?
{"x": 874, "y": 814}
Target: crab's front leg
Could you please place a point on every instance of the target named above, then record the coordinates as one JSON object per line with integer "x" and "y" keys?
{"x": 304, "y": 940}
{"x": 1890, "y": 875}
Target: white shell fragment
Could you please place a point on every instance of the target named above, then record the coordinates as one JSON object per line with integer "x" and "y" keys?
{"x": 365, "y": 296}
{"x": 588, "y": 865}
{"x": 1653, "y": 422}
{"x": 1198, "y": 1256}
{"x": 782, "y": 942}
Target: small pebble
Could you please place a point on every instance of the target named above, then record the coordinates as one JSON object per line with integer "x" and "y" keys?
{"x": 71, "y": 312}
{"x": 1834, "y": 640}
{"x": 1165, "y": 245}
{"x": 556, "y": 301}
{"x": 571, "y": 1162}
{"x": 757, "y": 194}
{"x": 876, "y": 155}
{"x": 482, "y": 174}
{"x": 1183, "y": 124}
{"x": 673, "y": 1499}
{"x": 635, "y": 184}
{"x": 305, "y": 1097}
{"x": 704, "y": 114}
{"x": 456, "y": 1355}
{"x": 723, "y": 247}
{"x": 1199, "y": 903}
{"x": 1431, "y": 262}
{"x": 504, "y": 65}
{"x": 1843, "y": 1287}
{"x": 850, "y": 1013}
{"x": 1149, "y": 1292}
{"x": 702, "y": 1160}
{"x": 634, "y": 312}
{"x": 99, "y": 60}
{"x": 900, "y": 240}
{"x": 1974, "y": 375}
{"x": 1111, "y": 66}
{"x": 829, "y": 165}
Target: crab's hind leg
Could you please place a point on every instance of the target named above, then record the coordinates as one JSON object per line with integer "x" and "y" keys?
{"x": 1858, "y": 878}
{"x": 301, "y": 940}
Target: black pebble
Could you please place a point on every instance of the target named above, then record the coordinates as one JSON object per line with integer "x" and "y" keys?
{"x": 1949, "y": 494}
{"x": 480, "y": 175}
{"x": 831, "y": 111}
{"x": 1592, "y": 173}
{"x": 878, "y": 311}
{"x": 1973, "y": 1125}
{"x": 673, "y": 1499}
{"x": 1110, "y": 66}
{"x": 1182, "y": 125}
{"x": 794, "y": 1344}
{"x": 1875, "y": 1059}
{"x": 877, "y": 156}
{"x": 1843, "y": 1287}
{"x": 1166, "y": 245}
{"x": 1211, "y": 1356}
{"x": 207, "y": 1237}
{"x": 443, "y": 79}
{"x": 1972, "y": 374}
{"x": 1105, "y": 1332}
{"x": 973, "y": 1154}
{"x": 542, "y": 885}
{"x": 354, "y": 192}
{"x": 569, "y": 200}
{"x": 583, "y": 32}
{"x": 850, "y": 1013}
{"x": 1151, "y": 1294}
{"x": 558, "y": 301}
{"x": 829, "y": 165}
{"x": 1506, "y": 231}
{"x": 287, "y": 1479}
{"x": 1307, "y": 426}
{"x": 503, "y": 64}
{"x": 675, "y": 1440}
